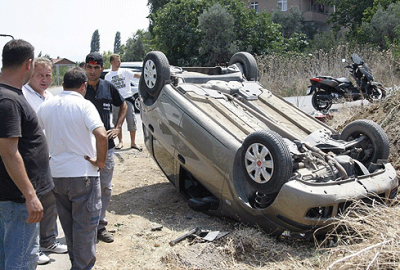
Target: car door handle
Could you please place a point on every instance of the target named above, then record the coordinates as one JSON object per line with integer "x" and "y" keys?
{"x": 181, "y": 158}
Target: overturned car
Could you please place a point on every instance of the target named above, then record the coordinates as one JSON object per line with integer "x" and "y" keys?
{"x": 234, "y": 149}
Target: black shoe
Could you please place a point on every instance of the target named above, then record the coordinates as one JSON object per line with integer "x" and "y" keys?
{"x": 105, "y": 236}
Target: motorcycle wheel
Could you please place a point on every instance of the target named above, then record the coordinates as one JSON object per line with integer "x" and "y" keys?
{"x": 320, "y": 101}
{"x": 378, "y": 92}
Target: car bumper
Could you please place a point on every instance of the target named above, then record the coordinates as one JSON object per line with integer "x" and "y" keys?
{"x": 301, "y": 206}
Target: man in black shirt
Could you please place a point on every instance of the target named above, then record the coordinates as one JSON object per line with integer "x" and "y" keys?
{"x": 103, "y": 94}
{"x": 24, "y": 165}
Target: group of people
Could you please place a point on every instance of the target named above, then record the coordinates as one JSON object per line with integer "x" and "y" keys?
{"x": 57, "y": 156}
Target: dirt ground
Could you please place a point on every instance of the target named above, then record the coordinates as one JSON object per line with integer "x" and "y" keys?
{"x": 147, "y": 212}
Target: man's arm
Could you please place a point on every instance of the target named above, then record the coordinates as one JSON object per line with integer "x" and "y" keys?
{"x": 15, "y": 167}
{"x": 113, "y": 133}
{"x": 132, "y": 74}
{"x": 101, "y": 146}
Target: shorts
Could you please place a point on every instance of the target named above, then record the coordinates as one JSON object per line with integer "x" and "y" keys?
{"x": 130, "y": 116}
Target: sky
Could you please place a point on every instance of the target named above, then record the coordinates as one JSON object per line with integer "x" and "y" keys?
{"x": 64, "y": 28}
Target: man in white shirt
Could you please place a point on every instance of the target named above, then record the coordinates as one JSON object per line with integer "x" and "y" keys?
{"x": 121, "y": 78}
{"x": 78, "y": 146}
{"x": 36, "y": 93}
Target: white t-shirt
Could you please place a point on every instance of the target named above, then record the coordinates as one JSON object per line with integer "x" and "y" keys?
{"x": 122, "y": 80}
{"x": 69, "y": 120}
{"x": 33, "y": 97}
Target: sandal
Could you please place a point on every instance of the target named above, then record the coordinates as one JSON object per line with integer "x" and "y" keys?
{"x": 137, "y": 148}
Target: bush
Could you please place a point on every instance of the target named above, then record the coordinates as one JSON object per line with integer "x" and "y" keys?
{"x": 289, "y": 74}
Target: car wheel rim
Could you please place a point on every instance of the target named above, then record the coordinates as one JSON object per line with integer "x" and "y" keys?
{"x": 137, "y": 103}
{"x": 259, "y": 163}
{"x": 150, "y": 73}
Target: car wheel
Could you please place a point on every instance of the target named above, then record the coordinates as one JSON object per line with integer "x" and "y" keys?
{"x": 156, "y": 71}
{"x": 375, "y": 145}
{"x": 248, "y": 63}
{"x": 267, "y": 162}
{"x": 136, "y": 103}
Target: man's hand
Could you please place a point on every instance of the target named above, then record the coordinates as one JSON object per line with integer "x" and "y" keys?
{"x": 96, "y": 163}
{"x": 35, "y": 210}
{"x": 113, "y": 133}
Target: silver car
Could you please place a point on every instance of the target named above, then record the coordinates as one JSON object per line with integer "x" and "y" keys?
{"x": 235, "y": 149}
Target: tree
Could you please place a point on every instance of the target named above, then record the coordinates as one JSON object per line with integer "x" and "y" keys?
{"x": 264, "y": 36}
{"x": 245, "y": 20}
{"x": 137, "y": 46}
{"x": 178, "y": 34}
{"x": 370, "y": 11}
{"x": 154, "y": 6}
{"x": 106, "y": 59}
{"x": 95, "y": 43}
{"x": 384, "y": 28}
{"x": 216, "y": 26}
{"x": 291, "y": 21}
{"x": 175, "y": 31}
{"x": 117, "y": 42}
{"x": 348, "y": 13}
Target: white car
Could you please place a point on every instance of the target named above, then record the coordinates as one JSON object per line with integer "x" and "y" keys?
{"x": 136, "y": 67}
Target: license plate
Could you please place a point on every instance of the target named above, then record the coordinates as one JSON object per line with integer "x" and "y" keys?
{"x": 308, "y": 90}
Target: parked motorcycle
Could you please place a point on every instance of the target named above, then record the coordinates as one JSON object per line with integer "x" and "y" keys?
{"x": 329, "y": 90}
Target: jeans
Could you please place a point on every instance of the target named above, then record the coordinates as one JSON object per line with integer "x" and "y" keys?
{"x": 19, "y": 240}
{"x": 106, "y": 175}
{"x": 48, "y": 224}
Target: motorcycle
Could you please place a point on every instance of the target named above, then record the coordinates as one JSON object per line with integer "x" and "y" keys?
{"x": 329, "y": 90}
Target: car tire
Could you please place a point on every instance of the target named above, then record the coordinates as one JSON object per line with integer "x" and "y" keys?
{"x": 156, "y": 71}
{"x": 375, "y": 147}
{"x": 267, "y": 163}
{"x": 136, "y": 103}
{"x": 248, "y": 63}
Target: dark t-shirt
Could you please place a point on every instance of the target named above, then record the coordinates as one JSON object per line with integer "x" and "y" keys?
{"x": 18, "y": 119}
{"x": 102, "y": 98}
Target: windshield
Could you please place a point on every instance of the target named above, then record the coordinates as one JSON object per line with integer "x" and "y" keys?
{"x": 357, "y": 59}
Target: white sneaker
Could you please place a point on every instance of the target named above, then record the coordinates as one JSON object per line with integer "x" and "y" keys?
{"x": 57, "y": 247}
{"x": 43, "y": 259}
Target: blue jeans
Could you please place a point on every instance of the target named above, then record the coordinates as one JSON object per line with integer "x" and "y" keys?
{"x": 19, "y": 240}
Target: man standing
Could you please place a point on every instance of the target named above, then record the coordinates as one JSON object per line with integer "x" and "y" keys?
{"x": 36, "y": 93}
{"x": 24, "y": 164}
{"x": 36, "y": 90}
{"x": 121, "y": 78}
{"x": 75, "y": 133}
{"x": 103, "y": 94}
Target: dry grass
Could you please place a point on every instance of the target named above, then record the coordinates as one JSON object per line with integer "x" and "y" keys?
{"x": 288, "y": 75}
{"x": 367, "y": 238}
